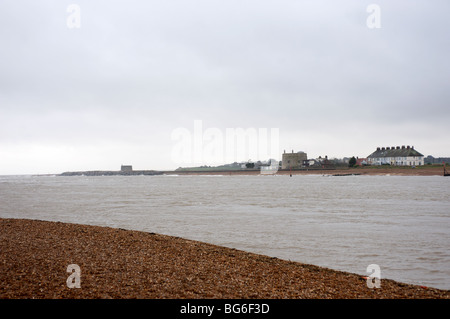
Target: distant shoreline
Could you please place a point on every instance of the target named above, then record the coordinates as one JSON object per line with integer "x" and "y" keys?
{"x": 111, "y": 173}
{"x": 371, "y": 170}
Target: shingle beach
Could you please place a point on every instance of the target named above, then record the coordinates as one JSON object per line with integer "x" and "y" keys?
{"x": 123, "y": 264}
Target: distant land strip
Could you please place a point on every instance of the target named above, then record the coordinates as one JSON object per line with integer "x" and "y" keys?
{"x": 426, "y": 170}
{"x": 184, "y": 172}
{"x": 111, "y": 173}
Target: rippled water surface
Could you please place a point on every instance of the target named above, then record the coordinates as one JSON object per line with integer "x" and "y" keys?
{"x": 401, "y": 223}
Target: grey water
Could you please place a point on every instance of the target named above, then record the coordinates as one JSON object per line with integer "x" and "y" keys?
{"x": 400, "y": 223}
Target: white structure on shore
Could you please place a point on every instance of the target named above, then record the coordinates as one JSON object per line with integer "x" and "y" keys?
{"x": 400, "y": 156}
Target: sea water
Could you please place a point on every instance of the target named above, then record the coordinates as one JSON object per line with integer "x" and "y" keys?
{"x": 400, "y": 223}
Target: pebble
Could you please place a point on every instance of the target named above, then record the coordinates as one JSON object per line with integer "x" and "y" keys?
{"x": 121, "y": 264}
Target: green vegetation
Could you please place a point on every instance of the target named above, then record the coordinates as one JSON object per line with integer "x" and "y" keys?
{"x": 352, "y": 162}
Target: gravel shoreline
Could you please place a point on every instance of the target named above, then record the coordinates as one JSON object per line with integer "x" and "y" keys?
{"x": 123, "y": 264}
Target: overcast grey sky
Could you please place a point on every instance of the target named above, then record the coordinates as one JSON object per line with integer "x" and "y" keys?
{"x": 113, "y": 91}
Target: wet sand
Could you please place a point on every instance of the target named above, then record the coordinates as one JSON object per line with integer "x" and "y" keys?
{"x": 123, "y": 264}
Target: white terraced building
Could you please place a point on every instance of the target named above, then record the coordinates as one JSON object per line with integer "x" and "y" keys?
{"x": 400, "y": 156}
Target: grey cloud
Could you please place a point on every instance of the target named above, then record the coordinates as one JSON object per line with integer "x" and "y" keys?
{"x": 142, "y": 69}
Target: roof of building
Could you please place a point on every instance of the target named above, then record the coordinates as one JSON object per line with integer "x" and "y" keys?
{"x": 395, "y": 152}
